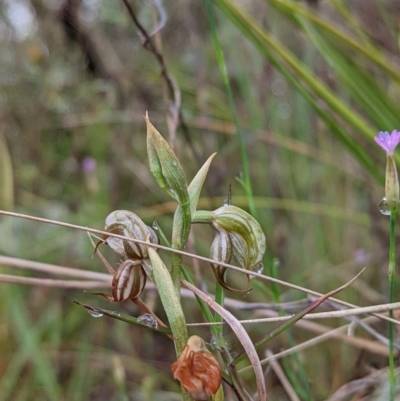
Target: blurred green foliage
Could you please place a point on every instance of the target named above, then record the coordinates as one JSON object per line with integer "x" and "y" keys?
{"x": 311, "y": 82}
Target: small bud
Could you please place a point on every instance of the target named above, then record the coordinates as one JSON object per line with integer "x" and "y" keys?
{"x": 165, "y": 166}
{"x": 388, "y": 142}
{"x": 128, "y": 224}
{"x": 197, "y": 370}
{"x": 391, "y": 183}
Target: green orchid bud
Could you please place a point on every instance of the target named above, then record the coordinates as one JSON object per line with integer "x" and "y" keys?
{"x": 165, "y": 166}
{"x": 246, "y": 235}
{"x": 238, "y": 237}
{"x": 128, "y": 224}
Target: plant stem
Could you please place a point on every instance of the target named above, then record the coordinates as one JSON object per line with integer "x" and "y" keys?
{"x": 180, "y": 235}
{"x": 392, "y": 373}
{"x": 204, "y": 308}
{"x": 302, "y": 381}
{"x": 219, "y": 299}
{"x": 202, "y": 217}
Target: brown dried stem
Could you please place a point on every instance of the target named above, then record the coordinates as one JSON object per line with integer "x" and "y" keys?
{"x": 169, "y": 81}
{"x": 208, "y": 260}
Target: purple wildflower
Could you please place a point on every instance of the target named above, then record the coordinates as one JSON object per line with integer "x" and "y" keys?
{"x": 88, "y": 164}
{"x": 361, "y": 256}
{"x": 388, "y": 142}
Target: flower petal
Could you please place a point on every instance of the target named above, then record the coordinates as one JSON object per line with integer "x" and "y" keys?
{"x": 388, "y": 142}
{"x": 395, "y": 138}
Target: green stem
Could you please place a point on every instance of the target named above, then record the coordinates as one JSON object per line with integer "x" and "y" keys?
{"x": 392, "y": 373}
{"x": 217, "y": 330}
{"x": 202, "y": 216}
{"x": 301, "y": 388}
{"x": 180, "y": 235}
{"x": 219, "y": 299}
{"x": 204, "y": 308}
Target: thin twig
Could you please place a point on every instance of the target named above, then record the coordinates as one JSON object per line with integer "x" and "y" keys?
{"x": 282, "y": 377}
{"x": 362, "y": 386}
{"x": 208, "y": 260}
{"x": 322, "y": 315}
{"x": 100, "y": 255}
{"x": 288, "y": 307}
{"x": 310, "y": 343}
{"x": 106, "y": 278}
{"x": 232, "y": 303}
{"x": 355, "y": 321}
{"x": 54, "y": 269}
{"x": 163, "y": 17}
{"x": 46, "y": 282}
{"x": 148, "y": 45}
{"x": 358, "y": 342}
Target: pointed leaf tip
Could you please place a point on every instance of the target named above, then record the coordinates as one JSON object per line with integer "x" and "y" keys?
{"x": 165, "y": 166}
{"x": 196, "y": 185}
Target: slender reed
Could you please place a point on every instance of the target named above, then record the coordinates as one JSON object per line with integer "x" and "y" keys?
{"x": 387, "y": 207}
{"x": 246, "y": 182}
{"x": 392, "y": 373}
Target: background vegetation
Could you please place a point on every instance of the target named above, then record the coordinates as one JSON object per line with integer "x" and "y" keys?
{"x": 312, "y": 83}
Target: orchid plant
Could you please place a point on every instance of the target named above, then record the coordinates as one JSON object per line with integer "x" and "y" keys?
{"x": 238, "y": 238}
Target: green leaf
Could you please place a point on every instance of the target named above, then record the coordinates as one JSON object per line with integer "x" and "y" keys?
{"x": 165, "y": 166}
{"x": 120, "y": 316}
{"x": 335, "y": 110}
{"x": 6, "y": 177}
{"x": 183, "y": 217}
{"x": 292, "y": 320}
{"x": 170, "y": 300}
{"x": 196, "y": 185}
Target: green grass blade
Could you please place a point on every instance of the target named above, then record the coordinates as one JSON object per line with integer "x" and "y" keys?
{"x": 224, "y": 72}
{"x": 6, "y": 177}
{"x": 28, "y": 335}
{"x": 307, "y": 84}
{"x": 368, "y": 51}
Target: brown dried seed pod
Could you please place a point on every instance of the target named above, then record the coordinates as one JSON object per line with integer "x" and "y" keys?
{"x": 197, "y": 370}
{"x": 128, "y": 281}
